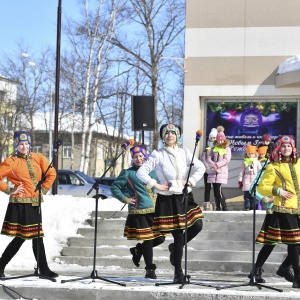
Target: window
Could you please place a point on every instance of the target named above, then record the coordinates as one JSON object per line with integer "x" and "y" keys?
{"x": 37, "y": 149}
{"x": 99, "y": 153}
{"x": 67, "y": 151}
{"x": 2, "y": 94}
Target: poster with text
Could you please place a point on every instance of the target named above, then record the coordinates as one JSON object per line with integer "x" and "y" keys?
{"x": 245, "y": 122}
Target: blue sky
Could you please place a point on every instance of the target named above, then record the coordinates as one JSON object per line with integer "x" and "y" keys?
{"x": 34, "y": 21}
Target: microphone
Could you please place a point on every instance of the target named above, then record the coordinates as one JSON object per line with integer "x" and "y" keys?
{"x": 130, "y": 142}
{"x": 56, "y": 147}
{"x": 270, "y": 148}
{"x": 198, "y": 135}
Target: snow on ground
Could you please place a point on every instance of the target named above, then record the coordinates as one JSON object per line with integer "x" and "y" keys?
{"x": 62, "y": 215}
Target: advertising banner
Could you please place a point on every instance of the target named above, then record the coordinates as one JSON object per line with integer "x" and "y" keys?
{"x": 246, "y": 122}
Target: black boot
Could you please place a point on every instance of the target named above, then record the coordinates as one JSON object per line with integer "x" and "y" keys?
{"x": 43, "y": 265}
{"x": 296, "y": 281}
{"x": 218, "y": 204}
{"x": 223, "y": 204}
{"x": 224, "y": 208}
{"x": 257, "y": 273}
{"x": 286, "y": 272}
{"x": 136, "y": 253}
{"x": 178, "y": 278}
{"x": 150, "y": 271}
{"x": 171, "y": 249}
{"x": 10, "y": 251}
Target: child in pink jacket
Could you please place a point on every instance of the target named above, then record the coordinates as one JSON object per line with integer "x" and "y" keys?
{"x": 249, "y": 170}
{"x": 218, "y": 159}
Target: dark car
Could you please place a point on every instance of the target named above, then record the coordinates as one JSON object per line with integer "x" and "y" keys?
{"x": 78, "y": 184}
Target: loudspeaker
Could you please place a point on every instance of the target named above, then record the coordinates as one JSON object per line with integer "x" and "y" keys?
{"x": 143, "y": 114}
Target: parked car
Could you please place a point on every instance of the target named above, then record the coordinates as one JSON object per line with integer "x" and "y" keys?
{"x": 78, "y": 184}
{"x": 106, "y": 180}
{"x": 109, "y": 181}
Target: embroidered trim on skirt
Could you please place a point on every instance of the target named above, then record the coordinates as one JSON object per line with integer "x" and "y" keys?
{"x": 170, "y": 213}
{"x": 138, "y": 227}
{"x": 21, "y": 220}
{"x": 279, "y": 228}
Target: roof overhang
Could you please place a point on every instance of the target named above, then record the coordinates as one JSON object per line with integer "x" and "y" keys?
{"x": 288, "y": 79}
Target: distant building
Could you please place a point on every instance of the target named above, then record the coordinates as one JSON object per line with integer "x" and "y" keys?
{"x": 8, "y": 96}
{"x": 100, "y": 158}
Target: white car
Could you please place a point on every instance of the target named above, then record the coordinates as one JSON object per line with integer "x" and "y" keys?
{"x": 78, "y": 184}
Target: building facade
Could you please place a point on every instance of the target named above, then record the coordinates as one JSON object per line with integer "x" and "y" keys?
{"x": 233, "y": 49}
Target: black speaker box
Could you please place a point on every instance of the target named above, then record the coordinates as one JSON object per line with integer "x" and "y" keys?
{"x": 143, "y": 114}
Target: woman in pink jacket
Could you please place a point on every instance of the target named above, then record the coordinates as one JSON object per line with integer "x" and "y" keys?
{"x": 218, "y": 159}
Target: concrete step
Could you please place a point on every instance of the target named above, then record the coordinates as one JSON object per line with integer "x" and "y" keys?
{"x": 194, "y": 244}
{"x": 117, "y": 225}
{"x": 230, "y": 216}
{"x": 217, "y": 255}
{"x": 226, "y": 242}
{"x": 205, "y": 234}
{"x": 164, "y": 264}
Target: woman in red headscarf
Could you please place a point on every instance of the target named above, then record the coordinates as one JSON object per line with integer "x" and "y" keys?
{"x": 282, "y": 181}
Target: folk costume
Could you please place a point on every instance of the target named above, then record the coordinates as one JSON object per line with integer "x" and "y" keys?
{"x": 171, "y": 164}
{"x": 218, "y": 159}
{"x": 284, "y": 269}
{"x": 139, "y": 221}
{"x": 282, "y": 175}
{"x": 21, "y": 217}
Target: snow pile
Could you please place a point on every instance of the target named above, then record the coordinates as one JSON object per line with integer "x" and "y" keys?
{"x": 289, "y": 65}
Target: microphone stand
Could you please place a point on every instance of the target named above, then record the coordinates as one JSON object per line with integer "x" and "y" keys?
{"x": 186, "y": 278}
{"x": 94, "y": 274}
{"x": 39, "y": 188}
{"x": 252, "y": 281}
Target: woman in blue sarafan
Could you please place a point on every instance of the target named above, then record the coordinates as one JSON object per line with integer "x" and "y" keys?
{"x": 141, "y": 205}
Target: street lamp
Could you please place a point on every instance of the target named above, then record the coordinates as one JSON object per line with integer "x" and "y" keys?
{"x": 30, "y": 63}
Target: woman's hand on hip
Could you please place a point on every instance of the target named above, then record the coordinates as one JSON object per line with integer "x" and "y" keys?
{"x": 18, "y": 190}
{"x": 132, "y": 200}
{"x": 286, "y": 194}
{"x": 162, "y": 187}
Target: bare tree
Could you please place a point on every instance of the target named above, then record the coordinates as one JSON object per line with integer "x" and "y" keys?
{"x": 155, "y": 25}
{"x": 31, "y": 73}
{"x": 90, "y": 44}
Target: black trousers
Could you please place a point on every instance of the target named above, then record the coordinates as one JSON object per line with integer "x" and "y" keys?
{"x": 14, "y": 246}
{"x": 219, "y": 196}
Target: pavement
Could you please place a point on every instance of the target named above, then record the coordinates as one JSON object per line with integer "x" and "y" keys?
{"x": 132, "y": 285}
{"x": 219, "y": 275}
